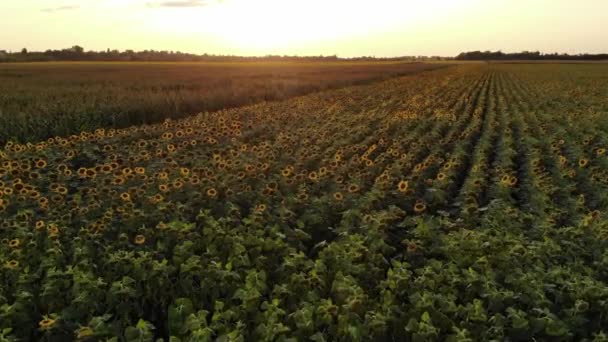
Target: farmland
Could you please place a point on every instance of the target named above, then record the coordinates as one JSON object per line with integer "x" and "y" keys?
{"x": 42, "y": 100}
{"x": 462, "y": 203}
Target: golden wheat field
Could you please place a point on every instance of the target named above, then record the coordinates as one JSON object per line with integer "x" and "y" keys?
{"x": 47, "y": 99}
{"x": 465, "y": 203}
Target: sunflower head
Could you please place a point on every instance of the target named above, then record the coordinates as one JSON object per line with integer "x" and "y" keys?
{"x": 403, "y": 186}
{"x": 260, "y": 208}
{"x": 419, "y": 207}
{"x": 11, "y": 264}
{"x": 139, "y": 239}
{"x": 41, "y": 164}
{"x": 82, "y": 172}
{"x": 211, "y": 192}
{"x": 40, "y": 225}
{"x": 338, "y": 196}
{"x": 46, "y": 323}
{"x": 313, "y": 176}
{"x": 125, "y": 196}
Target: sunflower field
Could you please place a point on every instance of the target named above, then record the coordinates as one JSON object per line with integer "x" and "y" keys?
{"x": 459, "y": 204}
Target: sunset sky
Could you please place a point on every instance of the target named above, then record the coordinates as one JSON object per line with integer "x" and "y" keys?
{"x": 311, "y": 27}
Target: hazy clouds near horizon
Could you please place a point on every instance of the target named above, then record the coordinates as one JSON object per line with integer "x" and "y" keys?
{"x": 313, "y": 27}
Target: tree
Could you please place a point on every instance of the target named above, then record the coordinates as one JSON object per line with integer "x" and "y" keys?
{"x": 24, "y": 51}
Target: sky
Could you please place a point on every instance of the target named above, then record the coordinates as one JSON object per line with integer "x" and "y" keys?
{"x": 345, "y": 28}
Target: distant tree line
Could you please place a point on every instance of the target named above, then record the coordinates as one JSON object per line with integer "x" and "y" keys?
{"x": 526, "y": 55}
{"x": 77, "y": 53}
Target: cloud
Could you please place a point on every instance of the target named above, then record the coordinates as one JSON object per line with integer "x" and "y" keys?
{"x": 60, "y": 8}
{"x": 179, "y": 3}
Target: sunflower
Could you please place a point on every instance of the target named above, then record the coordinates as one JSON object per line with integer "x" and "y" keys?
{"x": 41, "y": 164}
{"x": 14, "y": 243}
{"x": 353, "y": 188}
{"x": 419, "y": 207}
{"x": 11, "y": 264}
{"x": 211, "y": 192}
{"x": 338, "y": 196}
{"x": 140, "y": 170}
{"x": 273, "y": 186}
{"x": 139, "y": 239}
{"x": 583, "y": 162}
{"x": 46, "y": 323}
{"x": 91, "y": 173}
{"x": 512, "y": 181}
{"x": 600, "y": 151}
{"x": 157, "y": 198}
{"x": 441, "y": 176}
{"x": 286, "y": 172}
{"x": 118, "y": 180}
{"x": 53, "y": 229}
{"x": 125, "y": 196}
{"x": 403, "y": 186}
{"x": 313, "y": 176}
{"x": 82, "y": 172}
{"x": 260, "y": 208}
{"x": 40, "y": 225}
